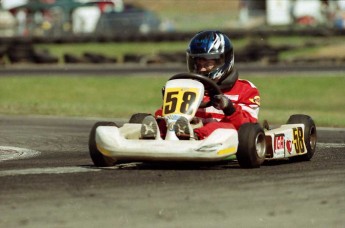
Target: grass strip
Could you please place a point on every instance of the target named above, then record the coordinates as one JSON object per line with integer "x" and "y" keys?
{"x": 321, "y": 96}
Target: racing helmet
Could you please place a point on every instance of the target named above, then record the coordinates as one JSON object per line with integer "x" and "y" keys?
{"x": 212, "y": 45}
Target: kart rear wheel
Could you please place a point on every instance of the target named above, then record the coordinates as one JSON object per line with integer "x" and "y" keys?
{"x": 97, "y": 157}
{"x": 138, "y": 117}
{"x": 310, "y": 135}
{"x": 251, "y": 150}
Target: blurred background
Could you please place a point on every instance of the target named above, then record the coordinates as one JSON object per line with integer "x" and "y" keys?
{"x": 24, "y": 23}
{"x": 67, "y": 17}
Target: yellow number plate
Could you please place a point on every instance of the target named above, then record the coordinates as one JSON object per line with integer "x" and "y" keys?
{"x": 180, "y": 101}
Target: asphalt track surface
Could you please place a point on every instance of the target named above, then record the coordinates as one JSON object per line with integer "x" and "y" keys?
{"x": 47, "y": 179}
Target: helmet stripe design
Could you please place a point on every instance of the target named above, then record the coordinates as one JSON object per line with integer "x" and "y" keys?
{"x": 218, "y": 41}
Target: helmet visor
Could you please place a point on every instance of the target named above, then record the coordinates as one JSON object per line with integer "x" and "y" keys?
{"x": 206, "y": 64}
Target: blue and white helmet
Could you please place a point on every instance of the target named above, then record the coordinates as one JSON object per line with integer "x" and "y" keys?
{"x": 211, "y": 45}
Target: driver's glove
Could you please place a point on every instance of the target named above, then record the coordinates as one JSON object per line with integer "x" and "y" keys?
{"x": 221, "y": 102}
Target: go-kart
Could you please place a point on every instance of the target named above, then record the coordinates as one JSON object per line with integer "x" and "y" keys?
{"x": 251, "y": 145}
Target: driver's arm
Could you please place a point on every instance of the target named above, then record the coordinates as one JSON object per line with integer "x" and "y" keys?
{"x": 246, "y": 108}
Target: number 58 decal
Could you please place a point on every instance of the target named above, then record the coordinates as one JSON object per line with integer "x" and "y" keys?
{"x": 298, "y": 140}
{"x": 179, "y": 100}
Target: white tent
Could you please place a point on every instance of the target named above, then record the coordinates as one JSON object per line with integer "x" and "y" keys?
{"x": 9, "y": 4}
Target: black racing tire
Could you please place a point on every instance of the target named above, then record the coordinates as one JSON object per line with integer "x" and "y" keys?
{"x": 251, "y": 149}
{"x": 138, "y": 117}
{"x": 310, "y": 135}
{"x": 99, "y": 160}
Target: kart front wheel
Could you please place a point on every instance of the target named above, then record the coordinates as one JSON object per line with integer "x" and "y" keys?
{"x": 97, "y": 157}
{"x": 251, "y": 150}
{"x": 310, "y": 136}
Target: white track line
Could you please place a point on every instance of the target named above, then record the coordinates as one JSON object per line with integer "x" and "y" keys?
{"x": 55, "y": 170}
{"x": 11, "y": 153}
{"x": 8, "y": 153}
{"x": 330, "y": 145}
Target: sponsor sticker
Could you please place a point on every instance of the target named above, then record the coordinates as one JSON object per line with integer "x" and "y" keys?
{"x": 289, "y": 146}
{"x": 279, "y": 143}
{"x": 255, "y": 100}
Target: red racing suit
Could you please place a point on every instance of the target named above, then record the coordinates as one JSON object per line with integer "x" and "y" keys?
{"x": 246, "y": 100}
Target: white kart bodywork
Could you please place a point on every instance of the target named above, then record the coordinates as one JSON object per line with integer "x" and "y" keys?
{"x": 285, "y": 141}
{"x": 117, "y": 143}
{"x": 124, "y": 144}
{"x": 182, "y": 98}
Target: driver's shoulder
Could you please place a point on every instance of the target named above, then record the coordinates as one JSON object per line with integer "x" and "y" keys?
{"x": 244, "y": 83}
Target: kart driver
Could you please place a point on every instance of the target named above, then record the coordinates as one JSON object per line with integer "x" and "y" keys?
{"x": 210, "y": 53}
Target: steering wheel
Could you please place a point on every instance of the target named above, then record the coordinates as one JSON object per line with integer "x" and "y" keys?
{"x": 210, "y": 86}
